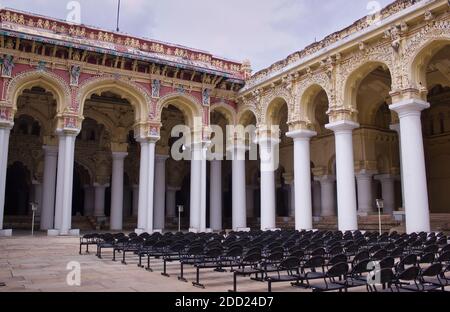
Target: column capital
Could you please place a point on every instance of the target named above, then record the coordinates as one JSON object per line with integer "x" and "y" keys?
{"x": 386, "y": 177}
{"x": 342, "y": 126}
{"x": 325, "y": 179}
{"x": 50, "y": 150}
{"x": 173, "y": 188}
{"x": 365, "y": 175}
{"x": 395, "y": 127}
{"x": 409, "y": 107}
{"x": 301, "y": 134}
{"x": 119, "y": 155}
{"x": 148, "y": 139}
{"x": 161, "y": 158}
{"x": 98, "y": 185}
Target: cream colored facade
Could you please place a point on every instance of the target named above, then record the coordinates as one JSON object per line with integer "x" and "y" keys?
{"x": 367, "y": 92}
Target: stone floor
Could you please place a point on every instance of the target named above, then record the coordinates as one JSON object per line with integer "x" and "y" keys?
{"x": 33, "y": 264}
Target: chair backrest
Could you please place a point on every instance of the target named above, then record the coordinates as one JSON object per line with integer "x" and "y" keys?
{"x": 338, "y": 270}
{"x": 363, "y": 255}
{"x": 410, "y": 274}
{"x": 318, "y": 252}
{"x": 290, "y": 264}
{"x": 432, "y": 271}
{"x": 444, "y": 257}
{"x": 427, "y": 258}
{"x": 431, "y": 249}
{"x": 387, "y": 263}
{"x": 252, "y": 259}
{"x": 410, "y": 259}
{"x": 385, "y": 276}
{"x": 361, "y": 267}
{"x": 397, "y": 252}
{"x": 379, "y": 255}
{"x": 214, "y": 253}
{"x": 315, "y": 262}
{"x": 337, "y": 259}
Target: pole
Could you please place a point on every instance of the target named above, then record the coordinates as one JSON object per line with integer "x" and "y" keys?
{"x": 118, "y": 16}
{"x": 379, "y": 219}
{"x": 179, "y": 219}
{"x": 32, "y": 224}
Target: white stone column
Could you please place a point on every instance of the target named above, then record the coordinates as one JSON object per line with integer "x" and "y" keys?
{"x": 345, "y": 174}
{"x": 196, "y": 186}
{"x": 146, "y": 184}
{"x": 317, "y": 200}
{"x": 4, "y": 143}
{"x": 413, "y": 163}
{"x": 116, "y": 218}
{"x": 99, "y": 199}
{"x": 203, "y": 187}
{"x": 302, "y": 176}
{"x": 171, "y": 201}
{"x": 49, "y": 187}
{"x": 328, "y": 195}
{"x": 143, "y": 185}
{"x": 388, "y": 192}
{"x": 160, "y": 192}
{"x": 64, "y": 183}
{"x": 147, "y": 190}
{"x": 250, "y": 202}
{"x": 89, "y": 200}
{"x": 364, "y": 181}
{"x": 269, "y": 163}
{"x": 216, "y": 195}
{"x": 135, "y": 200}
{"x": 239, "y": 209}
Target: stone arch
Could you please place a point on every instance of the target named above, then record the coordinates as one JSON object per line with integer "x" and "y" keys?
{"x": 45, "y": 79}
{"x": 354, "y": 79}
{"x": 46, "y": 127}
{"x": 226, "y": 111}
{"x": 272, "y": 100}
{"x": 317, "y": 80}
{"x": 186, "y": 103}
{"x": 101, "y": 119}
{"x": 418, "y": 62}
{"x": 137, "y": 95}
{"x": 244, "y": 112}
{"x": 307, "y": 97}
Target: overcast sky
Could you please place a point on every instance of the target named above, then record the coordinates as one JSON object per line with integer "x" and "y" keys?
{"x": 263, "y": 31}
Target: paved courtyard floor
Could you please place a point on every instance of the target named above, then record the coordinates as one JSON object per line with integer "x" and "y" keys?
{"x": 40, "y": 264}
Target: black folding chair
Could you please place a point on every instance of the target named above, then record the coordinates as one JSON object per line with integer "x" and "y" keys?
{"x": 338, "y": 271}
{"x": 289, "y": 268}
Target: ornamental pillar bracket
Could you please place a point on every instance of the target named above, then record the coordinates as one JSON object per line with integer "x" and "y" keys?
{"x": 343, "y": 113}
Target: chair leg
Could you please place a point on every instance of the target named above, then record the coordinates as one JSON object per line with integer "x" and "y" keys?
{"x": 80, "y": 249}
{"x": 123, "y": 258}
{"x": 164, "y": 273}
{"x": 181, "y": 277}
{"x": 148, "y": 268}
{"x": 197, "y": 282}
{"x": 269, "y": 286}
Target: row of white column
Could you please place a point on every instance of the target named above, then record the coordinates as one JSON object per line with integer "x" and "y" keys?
{"x": 412, "y": 163}
{"x": 412, "y": 167}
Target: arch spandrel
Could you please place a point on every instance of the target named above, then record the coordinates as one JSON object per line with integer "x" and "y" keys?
{"x": 45, "y": 79}
{"x": 138, "y": 96}
{"x": 190, "y": 106}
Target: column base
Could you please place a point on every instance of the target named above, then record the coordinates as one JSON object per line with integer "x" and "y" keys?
{"x": 192, "y": 230}
{"x": 139, "y": 231}
{"x": 70, "y": 233}
{"x": 243, "y": 230}
{"x": 52, "y": 233}
{"x": 158, "y": 231}
{"x": 5, "y": 233}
